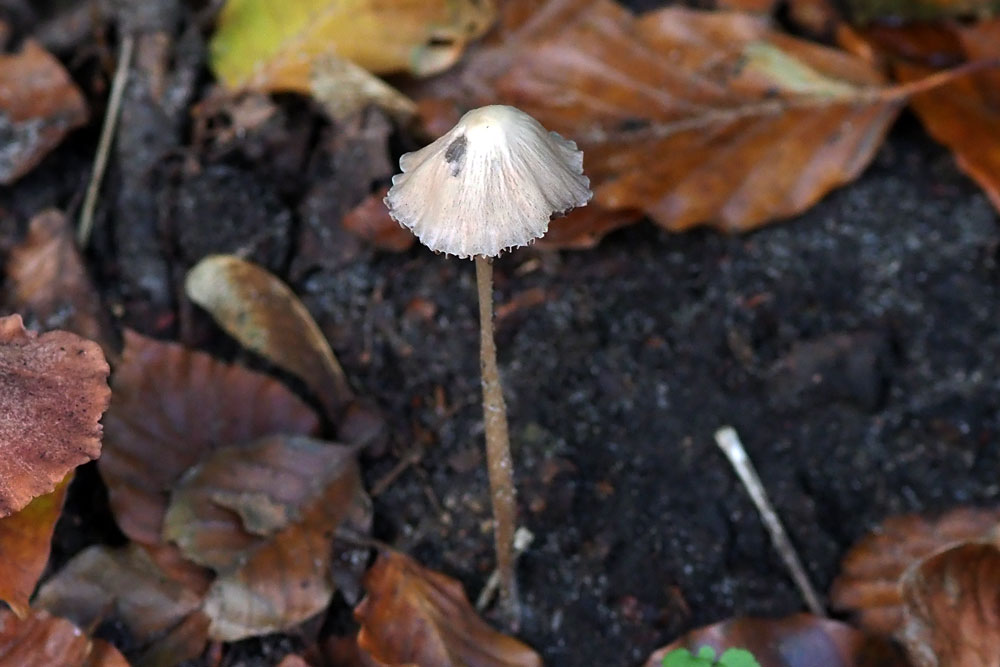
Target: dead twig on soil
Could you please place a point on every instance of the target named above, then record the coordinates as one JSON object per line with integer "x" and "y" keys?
{"x": 522, "y": 540}
{"x": 729, "y": 443}
{"x": 107, "y": 137}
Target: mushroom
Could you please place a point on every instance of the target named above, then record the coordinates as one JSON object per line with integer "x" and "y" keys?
{"x": 490, "y": 184}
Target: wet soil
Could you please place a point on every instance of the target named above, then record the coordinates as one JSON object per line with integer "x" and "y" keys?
{"x": 855, "y": 349}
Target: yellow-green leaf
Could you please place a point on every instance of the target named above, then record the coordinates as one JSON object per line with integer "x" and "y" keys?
{"x": 270, "y": 46}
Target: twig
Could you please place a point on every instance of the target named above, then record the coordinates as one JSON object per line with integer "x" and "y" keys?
{"x": 104, "y": 144}
{"x": 522, "y": 540}
{"x": 729, "y": 443}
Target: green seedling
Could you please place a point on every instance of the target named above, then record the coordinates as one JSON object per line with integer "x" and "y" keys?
{"x": 732, "y": 657}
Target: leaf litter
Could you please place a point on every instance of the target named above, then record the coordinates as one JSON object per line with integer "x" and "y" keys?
{"x": 687, "y": 117}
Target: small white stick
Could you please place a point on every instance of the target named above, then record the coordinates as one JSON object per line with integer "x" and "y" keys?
{"x": 522, "y": 540}
{"x": 729, "y": 443}
{"x": 104, "y": 143}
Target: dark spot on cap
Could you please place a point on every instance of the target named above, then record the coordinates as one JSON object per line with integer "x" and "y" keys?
{"x": 455, "y": 154}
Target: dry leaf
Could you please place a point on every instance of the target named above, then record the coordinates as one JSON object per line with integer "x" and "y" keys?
{"x": 265, "y": 316}
{"x": 343, "y": 90}
{"x": 25, "y": 543}
{"x": 964, "y": 115}
{"x": 692, "y": 117}
{"x": 53, "y": 390}
{"x": 271, "y": 46}
{"x": 801, "y": 640}
{"x": 263, "y": 517}
{"x": 371, "y": 221}
{"x": 50, "y": 284}
{"x": 868, "y": 584}
{"x": 41, "y": 640}
{"x": 39, "y": 104}
{"x": 102, "y": 583}
{"x": 171, "y": 408}
{"x": 414, "y": 615}
{"x": 953, "y": 608}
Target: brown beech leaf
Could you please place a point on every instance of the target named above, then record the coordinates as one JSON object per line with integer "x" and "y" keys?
{"x": 371, "y": 221}
{"x": 964, "y": 115}
{"x": 101, "y": 583}
{"x": 868, "y": 584}
{"x": 25, "y": 543}
{"x": 172, "y": 407}
{"x": 49, "y": 282}
{"x": 689, "y": 116}
{"x": 42, "y": 640}
{"x": 39, "y": 104}
{"x": 263, "y": 516}
{"x": 265, "y": 316}
{"x": 800, "y": 640}
{"x": 53, "y": 390}
{"x": 414, "y": 615}
{"x": 952, "y": 602}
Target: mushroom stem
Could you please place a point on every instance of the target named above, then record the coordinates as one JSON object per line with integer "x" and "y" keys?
{"x": 498, "y": 459}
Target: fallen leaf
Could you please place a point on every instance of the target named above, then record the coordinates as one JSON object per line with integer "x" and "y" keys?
{"x": 265, "y": 316}
{"x": 263, "y": 516}
{"x": 42, "y": 640}
{"x": 53, "y": 390}
{"x": 964, "y": 114}
{"x": 690, "y": 116}
{"x": 952, "y": 602}
{"x": 101, "y": 583}
{"x": 371, "y": 221}
{"x": 39, "y": 105}
{"x": 271, "y": 47}
{"x": 414, "y": 615}
{"x": 868, "y": 583}
{"x": 801, "y": 640}
{"x": 343, "y": 90}
{"x": 171, "y": 408}
{"x": 50, "y": 284}
{"x": 25, "y": 543}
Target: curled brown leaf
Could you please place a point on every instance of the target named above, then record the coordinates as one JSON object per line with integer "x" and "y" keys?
{"x": 39, "y": 104}
{"x": 691, "y": 117}
{"x": 868, "y": 583}
{"x": 412, "y": 615}
{"x": 42, "y": 640}
{"x": 952, "y": 603}
{"x": 172, "y": 407}
{"x": 53, "y": 390}
{"x": 263, "y": 516}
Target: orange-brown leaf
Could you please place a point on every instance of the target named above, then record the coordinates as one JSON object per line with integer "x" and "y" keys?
{"x": 172, "y": 407}
{"x": 801, "y": 640}
{"x": 953, "y": 608}
{"x": 50, "y": 284}
{"x": 964, "y": 115}
{"x": 263, "y": 517}
{"x": 42, "y": 640}
{"x": 868, "y": 584}
{"x": 692, "y": 117}
{"x": 414, "y": 615}
{"x": 53, "y": 390}
{"x": 101, "y": 583}
{"x": 25, "y": 543}
{"x": 39, "y": 104}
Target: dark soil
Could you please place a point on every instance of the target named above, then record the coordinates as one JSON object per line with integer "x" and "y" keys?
{"x": 855, "y": 349}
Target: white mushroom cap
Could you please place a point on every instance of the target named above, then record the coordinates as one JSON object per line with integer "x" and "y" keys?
{"x": 491, "y": 183}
